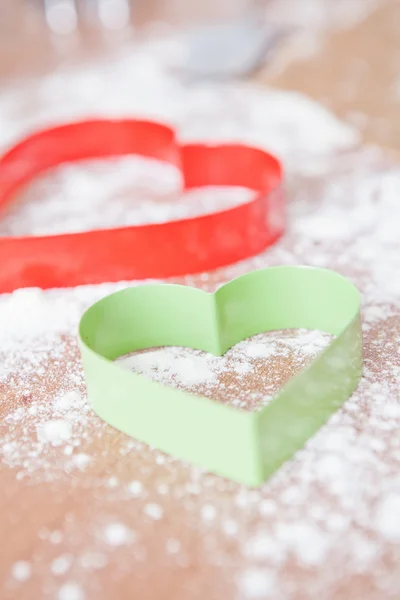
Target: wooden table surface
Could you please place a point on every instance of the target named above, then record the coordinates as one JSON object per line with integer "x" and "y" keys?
{"x": 97, "y": 533}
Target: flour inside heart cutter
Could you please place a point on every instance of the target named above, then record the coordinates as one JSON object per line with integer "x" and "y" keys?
{"x": 244, "y": 446}
{"x": 159, "y": 250}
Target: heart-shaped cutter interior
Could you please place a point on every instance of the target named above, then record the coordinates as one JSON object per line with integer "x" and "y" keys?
{"x": 244, "y": 446}
{"x": 160, "y": 250}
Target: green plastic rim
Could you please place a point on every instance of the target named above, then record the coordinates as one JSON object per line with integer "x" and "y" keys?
{"x": 244, "y": 446}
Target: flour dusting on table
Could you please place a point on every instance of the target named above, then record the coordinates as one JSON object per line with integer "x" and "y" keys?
{"x": 100, "y": 503}
{"x": 246, "y": 377}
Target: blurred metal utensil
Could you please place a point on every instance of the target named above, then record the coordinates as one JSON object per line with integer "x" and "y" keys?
{"x": 231, "y": 48}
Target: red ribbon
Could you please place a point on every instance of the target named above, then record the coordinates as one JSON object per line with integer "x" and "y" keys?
{"x": 147, "y": 251}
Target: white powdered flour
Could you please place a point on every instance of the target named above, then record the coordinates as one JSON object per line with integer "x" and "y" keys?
{"x": 132, "y": 509}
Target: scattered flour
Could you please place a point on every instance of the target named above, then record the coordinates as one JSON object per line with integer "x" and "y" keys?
{"x": 56, "y": 537}
{"x": 81, "y": 460}
{"x": 230, "y": 527}
{"x": 170, "y": 362}
{"x": 225, "y": 378}
{"x": 136, "y": 488}
{"x": 256, "y": 583}
{"x": 307, "y": 542}
{"x": 267, "y": 507}
{"x": 56, "y": 432}
{"x": 256, "y": 350}
{"x": 21, "y": 570}
{"x": 77, "y": 198}
{"x": 154, "y": 511}
{"x": 66, "y": 401}
{"x": 208, "y": 512}
{"x": 343, "y": 212}
{"x": 261, "y": 547}
{"x": 388, "y": 517}
{"x": 117, "y": 534}
{"x": 62, "y": 564}
{"x": 71, "y": 591}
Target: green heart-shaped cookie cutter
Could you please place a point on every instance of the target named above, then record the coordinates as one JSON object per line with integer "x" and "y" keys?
{"x": 244, "y": 446}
